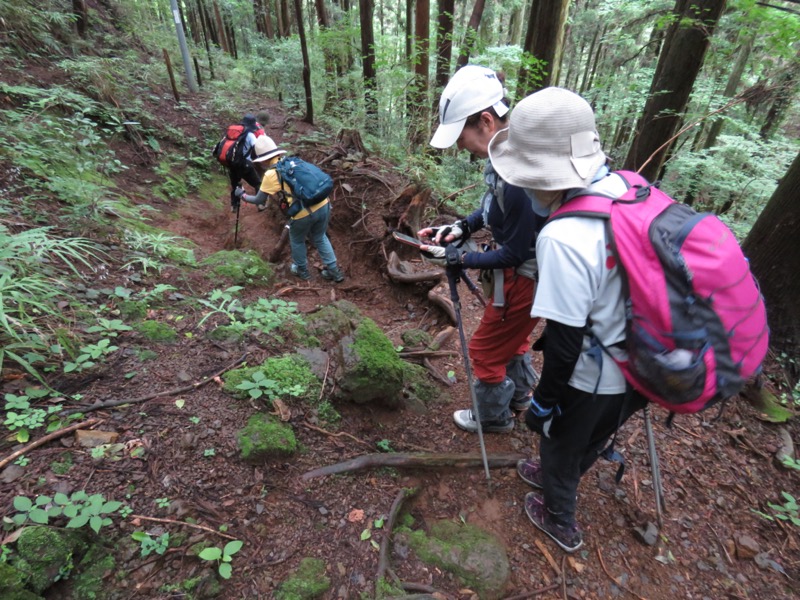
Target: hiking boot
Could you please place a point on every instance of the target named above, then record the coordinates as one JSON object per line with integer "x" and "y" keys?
{"x": 465, "y": 421}
{"x": 301, "y": 273}
{"x": 521, "y": 404}
{"x": 530, "y": 472}
{"x": 569, "y": 537}
{"x": 332, "y": 274}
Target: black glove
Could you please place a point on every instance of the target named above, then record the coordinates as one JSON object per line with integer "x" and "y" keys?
{"x": 459, "y": 230}
{"x": 540, "y": 418}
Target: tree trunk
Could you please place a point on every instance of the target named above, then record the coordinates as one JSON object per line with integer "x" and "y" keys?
{"x": 515, "y": 26}
{"x": 784, "y": 94}
{"x": 678, "y": 66}
{"x": 471, "y": 33}
{"x": 444, "y": 41}
{"x": 419, "y": 121}
{"x": 322, "y": 14}
{"x": 774, "y": 257}
{"x": 221, "y": 29}
{"x": 287, "y": 17}
{"x": 366, "y": 10}
{"x": 301, "y": 30}
{"x": 410, "y": 33}
{"x": 544, "y": 41}
{"x": 81, "y": 17}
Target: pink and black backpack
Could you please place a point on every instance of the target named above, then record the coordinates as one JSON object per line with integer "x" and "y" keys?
{"x": 696, "y": 322}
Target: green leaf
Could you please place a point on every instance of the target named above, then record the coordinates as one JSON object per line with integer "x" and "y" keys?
{"x": 139, "y": 536}
{"x": 23, "y": 436}
{"x": 38, "y": 515}
{"x": 61, "y": 499}
{"x": 180, "y": 402}
{"x": 70, "y": 511}
{"x": 22, "y": 503}
{"x": 96, "y": 523}
{"x": 111, "y": 506}
{"x": 366, "y": 534}
{"x": 78, "y": 521}
{"x": 232, "y": 548}
{"x": 20, "y": 518}
{"x": 225, "y": 570}
{"x": 42, "y": 500}
{"x": 211, "y": 554}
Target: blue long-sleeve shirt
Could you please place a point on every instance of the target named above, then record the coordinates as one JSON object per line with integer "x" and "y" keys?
{"x": 514, "y": 230}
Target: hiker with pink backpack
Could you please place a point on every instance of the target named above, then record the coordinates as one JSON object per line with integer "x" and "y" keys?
{"x": 643, "y": 298}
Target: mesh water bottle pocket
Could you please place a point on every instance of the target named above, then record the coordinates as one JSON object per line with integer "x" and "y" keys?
{"x": 677, "y": 376}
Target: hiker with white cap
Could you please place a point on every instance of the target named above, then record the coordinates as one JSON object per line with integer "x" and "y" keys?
{"x": 471, "y": 110}
{"x": 552, "y": 149}
{"x": 308, "y": 223}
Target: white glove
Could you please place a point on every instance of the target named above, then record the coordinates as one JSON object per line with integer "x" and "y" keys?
{"x": 434, "y": 255}
{"x": 456, "y": 230}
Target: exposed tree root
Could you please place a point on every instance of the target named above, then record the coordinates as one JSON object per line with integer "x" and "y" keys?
{"x": 400, "y": 271}
{"x": 47, "y": 438}
{"x": 383, "y": 556}
{"x": 414, "y": 461}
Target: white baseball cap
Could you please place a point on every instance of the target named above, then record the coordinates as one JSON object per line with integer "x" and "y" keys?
{"x": 551, "y": 142}
{"x": 471, "y": 90}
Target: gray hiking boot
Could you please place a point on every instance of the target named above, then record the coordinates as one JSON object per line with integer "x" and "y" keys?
{"x": 569, "y": 537}
{"x": 521, "y": 404}
{"x": 465, "y": 420}
{"x": 301, "y": 273}
{"x": 332, "y": 274}
{"x": 530, "y": 471}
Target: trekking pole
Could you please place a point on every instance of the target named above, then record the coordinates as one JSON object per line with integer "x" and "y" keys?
{"x": 236, "y": 229}
{"x": 651, "y": 447}
{"x": 473, "y": 288}
{"x": 454, "y": 274}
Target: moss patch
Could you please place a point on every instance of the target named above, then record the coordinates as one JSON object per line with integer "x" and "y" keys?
{"x": 307, "y": 582}
{"x": 155, "y": 331}
{"x": 264, "y": 438}
{"x": 474, "y": 556}
{"x": 94, "y": 567}
{"x": 419, "y": 388}
{"x": 416, "y": 338}
{"x": 46, "y": 554}
{"x": 226, "y": 333}
{"x": 291, "y": 373}
{"x": 132, "y": 310}
{"x": 333, "y": 322}
{"x": 241, "y": 268}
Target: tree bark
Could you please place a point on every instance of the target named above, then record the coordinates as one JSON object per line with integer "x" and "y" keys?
{"x": 471, "y": 33}
{"x": 81, "y": 17}
{"x": 366, "y": 10}
{"x": 444, "y": 42}
{"x": 221, "y": 29}
{"x": 301, "y": 30}
{"x": 678, "y": 66}
{"x": 322, "y": 14}
{"x": 544, "y": 41}
{"x": 774, "y": 255}
{"x": 419, "y": 121}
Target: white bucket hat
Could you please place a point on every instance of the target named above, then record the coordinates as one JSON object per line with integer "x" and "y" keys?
{"x": 265, "y": 148}
{"x": 471, "y": 90}
{"x": 551, "y": 142}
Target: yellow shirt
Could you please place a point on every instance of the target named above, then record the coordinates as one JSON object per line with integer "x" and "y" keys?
{"x": 271, "y": 184}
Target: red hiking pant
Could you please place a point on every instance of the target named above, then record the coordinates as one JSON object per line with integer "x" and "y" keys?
{"x": 503, "y": 332}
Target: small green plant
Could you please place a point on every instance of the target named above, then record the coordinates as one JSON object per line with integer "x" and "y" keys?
{"x": 162, "y": 502}
{"x": 209, "y": 452}
{"x": 22, "y": 461}
{"x": 194, "y": 419}
{"x": 149, "y": 545}
{"x": 222, "y": 556}
{"x": 384, "y": 445}
{"x": 258, "y": 385}
{"x": 788, "y": 511}
{"x": 22, "y": 417}
{"x": 89, "y": 354}
{"x": 109, "y": 327}
{"x": 80, "y": 509}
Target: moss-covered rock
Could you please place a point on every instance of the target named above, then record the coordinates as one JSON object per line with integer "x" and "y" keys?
{"x": 95, "y": 566}
{"x": 306, "y": 583}
{"x": 333, "y": 322}
{"x": 416, "y": 338}
{"x": 264, "y": 438}
{"x": 291, "y": 373}
{"x": 12, "y": 582}
{"x": 420, "y": 390}
{"x": 155, "y": 331}
{"x": 477, "y": 558}
{"x": 241, "y": 268}
{"x": 226, "y": 334}
{"x": 369, "y": 368}
{"x": 46, "y": 555}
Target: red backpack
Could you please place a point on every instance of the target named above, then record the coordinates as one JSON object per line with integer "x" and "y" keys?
{"x": 696, "y": 322}
{"x": 230, "y": 149}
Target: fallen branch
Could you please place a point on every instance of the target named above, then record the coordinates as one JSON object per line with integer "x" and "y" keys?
{"x": 173, "y": 392}
{"x": 47, "y": 438}
{"x": 341, "y": 433}
{"x": 615, "y": 580}
{"x": 383, "y": 555}
{"x": 192, "y": 525}
{"x": 435, "y": 372}
{"x": 413, "y": 461}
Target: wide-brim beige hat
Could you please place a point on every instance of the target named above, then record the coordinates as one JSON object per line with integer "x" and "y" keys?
{"x": 551, "y": 142}
{"x": 266, "y": 148}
